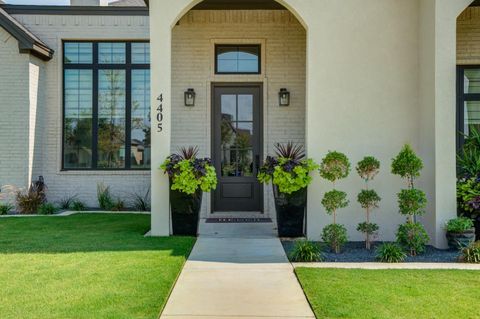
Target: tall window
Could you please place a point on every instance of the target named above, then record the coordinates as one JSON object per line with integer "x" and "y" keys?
{"x": 106, "y": 111}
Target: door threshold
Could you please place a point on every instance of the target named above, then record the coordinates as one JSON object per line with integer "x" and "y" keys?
{"x": 238, "y": 215}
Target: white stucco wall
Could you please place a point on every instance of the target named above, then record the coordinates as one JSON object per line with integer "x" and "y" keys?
{"x": 283, "y": 42}
{"x": 368, "y": 93}
{"x": 46, "y": 158}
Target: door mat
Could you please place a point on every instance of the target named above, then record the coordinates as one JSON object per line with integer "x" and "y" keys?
{"x": 232, "y": 220}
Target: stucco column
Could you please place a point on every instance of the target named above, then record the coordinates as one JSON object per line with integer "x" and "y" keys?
{"x": 163, "y": 16}
{"x": 437, "y": 62}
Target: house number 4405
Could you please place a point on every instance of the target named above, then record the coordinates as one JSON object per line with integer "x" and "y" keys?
{"x": 160, "y": 113}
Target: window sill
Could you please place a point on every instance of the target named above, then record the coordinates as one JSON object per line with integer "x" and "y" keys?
{"x": 106, "y": 172}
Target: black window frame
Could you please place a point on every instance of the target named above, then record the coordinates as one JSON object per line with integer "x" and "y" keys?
{"x": 128, "y": 66}
{"x": 463, "y": 97}
{"x": 257, "y": 46}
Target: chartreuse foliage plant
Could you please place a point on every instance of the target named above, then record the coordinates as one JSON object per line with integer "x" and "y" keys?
{"x": 334, "y": 166}
{"x": 289, "y": 170}
{"x": 188, "y": 174}
{"x": 367, "y": 169}
{"x": 411, "y": 201}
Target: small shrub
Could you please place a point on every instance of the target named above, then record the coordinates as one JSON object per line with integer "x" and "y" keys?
{"x": 413, "y": 237}
{"x": 118, "y": 205}
{"x": 306, "y": 251}
{"x": 334, "y": 166}
{"x": 471, "y": 254}
{"x": 105, "y": 199}
{"x": 66, "y": 202}
{"x": 334, "y": 200}
{"x": 468, "y": 191}
{"x": 368, "y": 168}
{"x": 5, "y": 208}
{"x": 367, "y": 228}
{"x": 368, "y": 199}
{"x": 141, "y": 202}
{"x": 459, "y": 225}
{"x": 78, "y": 206}
{"x": 390, "y": 253}
{"x": 47, "y": 209}
{"x": 335, "y": 236}
{"x": 412, "y": 202}
{"x": 407, "y": 164}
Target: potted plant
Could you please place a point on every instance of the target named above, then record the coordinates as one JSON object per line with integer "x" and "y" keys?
{"x": 189, "y": 178}
{"x": 411, "y": 201}
{"x": 289, "y": 172}
{"x": 368, "y": 168}
{"x": 460, "y": 232}
{"x": 334, "y": 167}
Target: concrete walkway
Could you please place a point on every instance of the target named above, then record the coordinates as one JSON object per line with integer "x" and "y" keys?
{"x": 237, "y": 277}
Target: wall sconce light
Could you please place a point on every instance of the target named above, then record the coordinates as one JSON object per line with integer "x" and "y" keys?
{"x": 284, "y": 97}
{"x": 190, "y": 97}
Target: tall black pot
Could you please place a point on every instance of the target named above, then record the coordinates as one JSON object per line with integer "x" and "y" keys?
{"x": 290, "y": 212}
{"x": 185, "y": 212}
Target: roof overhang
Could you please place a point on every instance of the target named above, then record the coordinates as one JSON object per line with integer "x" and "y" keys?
{"x": 27, "y": 41}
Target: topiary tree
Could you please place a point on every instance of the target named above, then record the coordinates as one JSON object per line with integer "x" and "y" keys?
{"x": 334, "y": 167}
{"x": 368, "y": 168}
{"x": 411, "y": 201}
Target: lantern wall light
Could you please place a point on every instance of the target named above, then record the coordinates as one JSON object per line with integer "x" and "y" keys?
{"x": 190, "y": 97}
{"x": 284, "y": 97}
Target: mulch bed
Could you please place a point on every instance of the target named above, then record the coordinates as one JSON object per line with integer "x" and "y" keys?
{"x": 356, "y": 252}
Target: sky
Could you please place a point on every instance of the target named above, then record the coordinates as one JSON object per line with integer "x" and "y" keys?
{"x": 39, "y": 2}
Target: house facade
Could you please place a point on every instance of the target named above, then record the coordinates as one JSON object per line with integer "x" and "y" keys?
{"x": 91, "y": 93}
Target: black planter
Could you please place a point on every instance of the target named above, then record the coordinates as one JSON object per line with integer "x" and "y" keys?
{"x": 456, "y": 241}
{"x": 185, "y": 212}
{"x": 290, "y": 212}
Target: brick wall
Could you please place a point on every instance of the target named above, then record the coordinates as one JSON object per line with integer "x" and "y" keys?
{"x": 14, "y": 114}
{"x": 283, "y": 42}
{"x": 468, "y": 36}
{"x": 45, "y": 154}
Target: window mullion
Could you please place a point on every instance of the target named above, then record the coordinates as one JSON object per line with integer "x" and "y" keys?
{"x": 95, "y": 108}
{"x": 128, "y": 107}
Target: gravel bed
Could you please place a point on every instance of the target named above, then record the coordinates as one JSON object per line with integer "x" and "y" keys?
{"x": 356, "y": 252}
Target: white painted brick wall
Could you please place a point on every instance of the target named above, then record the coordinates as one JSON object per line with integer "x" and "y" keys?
{"x": 468, "y": 36}
{"x": 47, "y": 149}
{"x": 14, "y": 114}
{"x": 284, "y": 41}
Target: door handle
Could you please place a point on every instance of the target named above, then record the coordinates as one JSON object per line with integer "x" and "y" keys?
{"x": 257, "y": 162}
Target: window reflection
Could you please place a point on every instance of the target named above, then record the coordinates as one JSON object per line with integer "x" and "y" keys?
{"x": 236, "y": 135}
{"x": 140, "y": 136}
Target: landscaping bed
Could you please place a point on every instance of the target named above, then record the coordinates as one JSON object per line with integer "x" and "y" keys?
{"x": 355, "y": 293}
{"x": 86, "y": 266}
{"x": 356, "y": 252}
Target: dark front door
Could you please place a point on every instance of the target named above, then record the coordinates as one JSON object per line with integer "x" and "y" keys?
{"x": 237, "y": 141}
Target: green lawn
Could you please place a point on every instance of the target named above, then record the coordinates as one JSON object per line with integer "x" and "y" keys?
{"x": 86, "y": 266}
{"x": 416, "y": 294}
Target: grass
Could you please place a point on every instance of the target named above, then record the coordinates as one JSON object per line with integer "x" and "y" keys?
{"x": 348, "y": 293}
{"x": 86, "y": 266}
